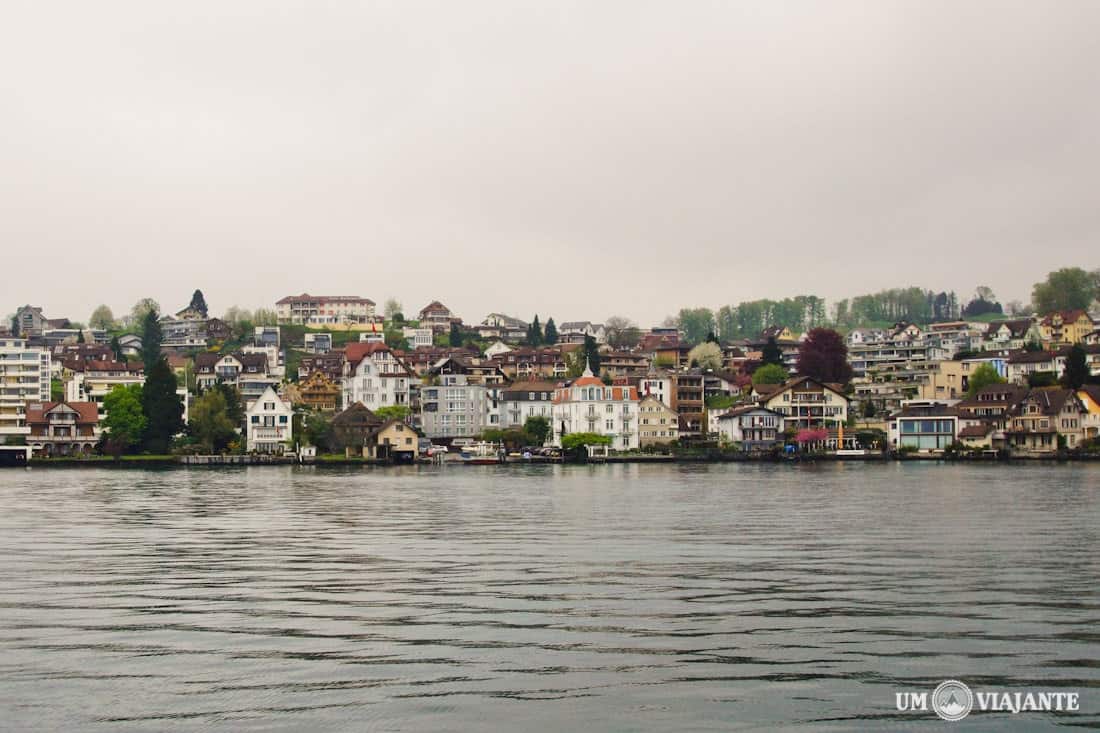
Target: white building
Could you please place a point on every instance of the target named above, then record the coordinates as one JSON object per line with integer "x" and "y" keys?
{"x": 751, "y": 426}
{"x": 374, "y": 376}
{"x": 575, "y": 331}
{"x": 656, "y": 385}
{"x": 587, "y": 405}
{"x": 417, "y": 337}
{"x": 24, "y": 377}
{"x": 317, "y": 343}
{"x": 324, "y": 309}
{"x": 497, "y": 348}
{"x": 270, "y": 423}
{"x": 247, "y": 372}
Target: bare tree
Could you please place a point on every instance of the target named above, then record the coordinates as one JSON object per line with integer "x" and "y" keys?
{"x": 622, "y": 333}
{"x": 392, "y": 306}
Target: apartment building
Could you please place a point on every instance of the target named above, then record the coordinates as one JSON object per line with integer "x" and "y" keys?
{"x": 24, "y": 377}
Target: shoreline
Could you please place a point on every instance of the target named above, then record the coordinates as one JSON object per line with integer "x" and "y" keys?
{"x": 222, "y": 462}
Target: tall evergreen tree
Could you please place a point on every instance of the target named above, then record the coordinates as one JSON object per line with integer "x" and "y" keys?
{"x": 198, "y": 302}
{"x": 456, "y": 335}
{"x": 80, "y": 336}
{"x": 771, "y": 353}
{"x": 1077, "y": 368}
{"x": 550, "y": 333}
{"x": 116, "y": 348}
{"x": 534, "y": 332}
{"x": 151, "y": 339}
{"x": 161, "y": 406}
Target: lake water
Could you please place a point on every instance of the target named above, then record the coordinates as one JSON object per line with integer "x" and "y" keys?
{"x": 710, "y": 597}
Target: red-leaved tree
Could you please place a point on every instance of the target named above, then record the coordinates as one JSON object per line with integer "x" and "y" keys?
{"x": 824, "y": 356}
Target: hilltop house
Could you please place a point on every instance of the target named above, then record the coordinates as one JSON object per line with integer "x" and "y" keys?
{"x": 437, "y": 317}
{"x": 574, "y": 332}
{"x": 499, "y": 325}
{"x": 1011, "y": 334}
{"x": 1063, "y": 328}
{"x": 311, "y": 310}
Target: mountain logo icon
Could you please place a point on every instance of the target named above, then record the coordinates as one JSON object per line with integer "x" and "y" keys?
{"x": 952, "y": 700}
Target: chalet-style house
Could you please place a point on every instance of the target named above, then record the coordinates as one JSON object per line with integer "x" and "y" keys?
{"x": 437, "y": 317}
{"x": 806, "y": 403}
{"x": 352, "y": 429}
{"x": 1046, "y": 420}
{"x": 753, "y": 427}
{"x": 318, "y": 392}
{"x": 62, "y": 428}
{"x": 1063, "y": 328}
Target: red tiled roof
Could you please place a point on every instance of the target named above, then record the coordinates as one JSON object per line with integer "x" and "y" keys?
{"x": 88, "y": 411}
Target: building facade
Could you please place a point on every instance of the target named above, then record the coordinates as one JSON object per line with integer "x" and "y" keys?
{"x": 24, "y": 377}
{"x": 657, "y": 422}
{"x": 270, "y": 424}
{"x": 587, "y": 405}
{"x": 375, "y": 376}
{"x": 62, "y": 428}
{"x": 306, "y": 309}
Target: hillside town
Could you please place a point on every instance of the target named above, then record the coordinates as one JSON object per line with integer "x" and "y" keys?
{"x": 336, "y": 375}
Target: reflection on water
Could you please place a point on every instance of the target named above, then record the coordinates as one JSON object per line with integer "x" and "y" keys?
{"x": 542, "y": 597}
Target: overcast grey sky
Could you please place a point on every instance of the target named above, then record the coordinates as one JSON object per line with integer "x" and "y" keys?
{"x": 575, "y": 159}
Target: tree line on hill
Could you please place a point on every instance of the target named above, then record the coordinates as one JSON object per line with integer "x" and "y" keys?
{"x": 1064, "y": 289}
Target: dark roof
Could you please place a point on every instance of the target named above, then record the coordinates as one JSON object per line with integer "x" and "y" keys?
{"x": 1068, "y": 316}
{"x": 1018, "y": 327}
{"x": 1031, "y": 357}
{"x": 744, "y": 409}
{"x": 357, "y": 414}
{"x": 926, "y": 411}
{"x": 1051, "y": 400}
{"x": 976, "y": 431}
